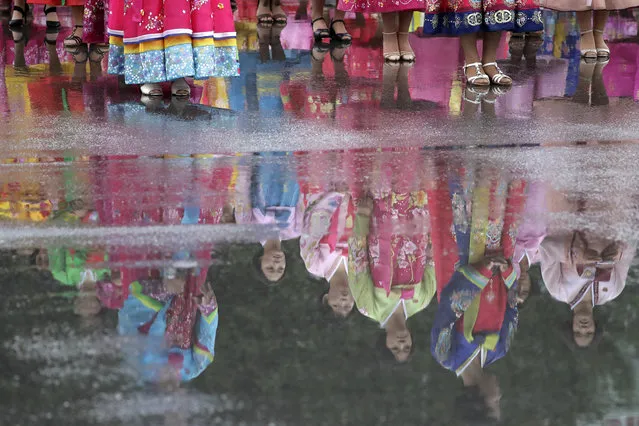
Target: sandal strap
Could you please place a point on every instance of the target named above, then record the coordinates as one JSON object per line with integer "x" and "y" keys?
{"x": 335, "y": 21}
{"x": 19, "y": 9}
{"x": 321, "y": 18}
{"x": 599, "y": 31}
{"x": 586, "y": 32}
{"x": 474, "y": 64}
{"x": 48, "y": 10}
{"x": 499, "y": 76}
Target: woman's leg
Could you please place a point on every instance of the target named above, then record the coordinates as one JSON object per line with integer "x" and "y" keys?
{"x": 587, "y": 41}
{"x": 406, "y": 50}
{"x": 317, "y": 12}
{"x": 491, "y": 43}
{"x": 600, "y": 17}
{"x": 77, "y": 14}
{"x": 391, "y": 42}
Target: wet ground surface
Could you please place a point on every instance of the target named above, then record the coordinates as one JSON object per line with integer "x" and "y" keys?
{"x": 168, "y": 262}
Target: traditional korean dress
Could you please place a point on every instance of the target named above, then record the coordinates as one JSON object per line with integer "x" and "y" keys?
{"x": 389, "y": 260}
{"x": 568, "y": 281}
{"x": 154, "y": 41}
{"x": 477, "y": 313}
{"x": 179, "y": 333}
{"x": 328, "y": 224}
{"x": 268, "y": 193}
{"x": 459, "y": 17}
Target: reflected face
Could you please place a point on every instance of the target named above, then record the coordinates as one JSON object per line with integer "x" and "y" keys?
{"x": 523, "y": 288}
{"x": 42, "y": 260}
{"x": 273, "y": 264}
{"x": 340, "y": 300}
{"x": 400, "y": 343}
{"x": 583, "y": 328}
{"x": 86, "y": 304}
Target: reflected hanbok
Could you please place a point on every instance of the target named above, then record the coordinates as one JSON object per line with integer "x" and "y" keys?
{"x": 178, "y": 333}
{"x": 477, "y": 313}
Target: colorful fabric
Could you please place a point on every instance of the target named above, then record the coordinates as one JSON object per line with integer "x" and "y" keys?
{"x": 477, "y": 312}
{"x": 150, "y": 311}
{"x": 328, "y": 223}
{"x": 568, "y": 281}
{"x": 268, "y": 193}
{"x": 73, "y": 267}
{"x": 458, "y": 17}
{"x": 389, "y": 262}
{"x": 153, "y": 41}
{"x": 455, "y": 349}
{"x": 377, "y": 6}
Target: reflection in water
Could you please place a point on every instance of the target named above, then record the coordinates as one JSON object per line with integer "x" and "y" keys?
{"x": 384, "y": 231}
{"x": 112, "y": 266}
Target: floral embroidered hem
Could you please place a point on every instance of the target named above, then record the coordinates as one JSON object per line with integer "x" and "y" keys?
{"x": 458, "y": 17}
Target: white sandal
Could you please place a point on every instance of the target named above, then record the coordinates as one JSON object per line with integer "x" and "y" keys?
{"x": 479, "y": 94}
{"x": 151, "y": 89}
{"x": 602, "y": 53}
{"x": 500, "y": 76}
{"x": 588, "y": 53}
{"x": 180, "y": 88}
{"x": 479, "y": 75}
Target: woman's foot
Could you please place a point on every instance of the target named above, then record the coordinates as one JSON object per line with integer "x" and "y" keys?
{"x": 587, "y": 45}
{"x": 391, "y": 48}
{"x": 600, "y": 44}
{"x": 19, "y": 16}
{"x": 496, "y": 75}
{"x": 321, "y": 32}
{"x": 97, "y": 52}
{"x": 81, "y": 54}
{"x": 279, "y": 16}
{"x": 475, "y": 75}
{"x": 405, "y": 50}
{"x": 339, "y": 32}
{"x": 475, "y": 94}
{"x": 180, "y": 87}
{"x": 74, "y": 40}
{"x": 264, "y": 14}
{"x": 151, "y": 89}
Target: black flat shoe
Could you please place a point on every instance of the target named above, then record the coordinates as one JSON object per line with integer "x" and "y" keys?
{"x": 340, "y": 37}
{"x": 321, "y": 34}
{"x": 17, "y": 23}
{"x": 52, "y": 26}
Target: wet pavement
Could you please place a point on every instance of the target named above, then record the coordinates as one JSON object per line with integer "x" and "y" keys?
{"x": 323, "y": 240}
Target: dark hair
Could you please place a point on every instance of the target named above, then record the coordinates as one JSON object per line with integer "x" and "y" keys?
{"x": 327, "y": 310}
{"x": 568, "y": 338}
{"x": 387, "y": 356}
{"x": 471, "y": 410}
{"x": 258, "y": 274}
